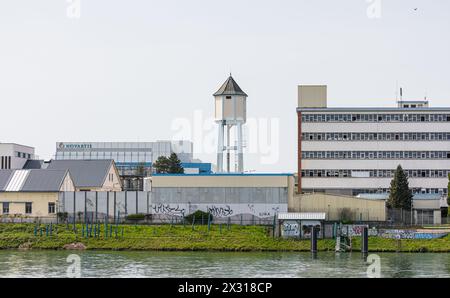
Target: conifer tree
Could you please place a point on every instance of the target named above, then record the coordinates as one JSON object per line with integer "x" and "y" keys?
{"x": 400, "y": 195}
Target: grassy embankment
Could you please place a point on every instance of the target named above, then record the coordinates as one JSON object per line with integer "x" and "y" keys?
{"x": 165, "y": 237}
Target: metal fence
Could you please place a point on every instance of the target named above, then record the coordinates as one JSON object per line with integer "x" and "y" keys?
{"x": 89, "y": 207}
{"x": 405, "y": 217}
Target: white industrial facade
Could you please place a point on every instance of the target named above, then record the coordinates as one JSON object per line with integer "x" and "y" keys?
{"x": 124, "y": 152}
{"x": 14, "y": 156}
{"x": 356, "y": 150}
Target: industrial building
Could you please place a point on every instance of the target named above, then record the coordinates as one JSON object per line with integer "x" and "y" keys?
{"x": 234, "y": 195}
{"x": 354, "y": 150}
{"x": 90, "y": 175}
{"x": 133, "y": 159}
{"x": 32, "y": 193}
{"x": 14, "y": 156}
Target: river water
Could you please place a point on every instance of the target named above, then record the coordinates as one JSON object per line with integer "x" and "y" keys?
{"x": 219, "y": 264}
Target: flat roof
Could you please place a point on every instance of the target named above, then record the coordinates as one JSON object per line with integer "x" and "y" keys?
{"x": 385, "y": 196}
{"x": 373, "y": 109}
{"x": 228, "y": 174}
{"x": 17, "y": 145}
{"x": 302, "y": 216}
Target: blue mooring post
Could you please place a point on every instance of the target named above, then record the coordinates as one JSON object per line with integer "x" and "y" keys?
{"x": 35, "y": 230}
{"x": 365, "y": 241}
{"x": 209, "y": 222}
{"x": 313, "y": 240}
{"x": 274, "y": 225}
{"x": 106, "y": 228}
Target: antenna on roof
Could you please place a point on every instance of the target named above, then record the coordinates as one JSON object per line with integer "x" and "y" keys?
{"x": 401, "y": 93}
{"x": 396, "y": 92}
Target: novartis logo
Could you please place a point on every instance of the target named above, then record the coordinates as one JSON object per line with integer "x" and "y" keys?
{"x": 74, "y": 146}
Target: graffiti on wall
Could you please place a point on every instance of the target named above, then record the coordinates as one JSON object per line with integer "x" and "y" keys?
{"x": 290, "y": 229}
{"x": 356, "y": 230}
{"x": 167, "y": 209}
{"x": 220, "y": 210}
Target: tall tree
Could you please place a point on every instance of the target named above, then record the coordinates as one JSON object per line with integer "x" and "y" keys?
{"x": 161, "y": 165}
{"x": 175, "y": 165}
{"x": 448, "y": 191}
{"x": 171, "y": 165}
{"x": 400, "y": 195}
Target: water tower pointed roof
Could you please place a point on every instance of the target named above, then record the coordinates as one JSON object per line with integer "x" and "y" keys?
{"x": 230, "y": 87}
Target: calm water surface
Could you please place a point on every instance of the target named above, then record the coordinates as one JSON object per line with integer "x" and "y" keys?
{"x": 215, "y": 264}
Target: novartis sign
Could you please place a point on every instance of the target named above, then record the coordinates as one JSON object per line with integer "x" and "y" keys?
{"x": 74, "y": 146}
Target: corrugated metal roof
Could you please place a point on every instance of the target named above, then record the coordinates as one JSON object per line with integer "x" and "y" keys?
{"x": 84, "y": 173}
{"x": 4, "y": 178}
{"x": 17, "y": 180}
{"x": 44, "y": 180}
{"x": 303, "y": 216}
{"x": 32, "y": 180}
{"x": 230, "y": 87}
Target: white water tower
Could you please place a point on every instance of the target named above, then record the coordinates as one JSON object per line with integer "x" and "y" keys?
{"x": 230, "y": 113}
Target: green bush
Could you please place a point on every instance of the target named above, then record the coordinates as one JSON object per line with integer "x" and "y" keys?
{"x": 200, "y": 217}
{"x": 62, "y": 216}
{"x": 135, "y": 217}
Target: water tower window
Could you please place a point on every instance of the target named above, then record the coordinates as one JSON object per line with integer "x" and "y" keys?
{"x": 228, "y": 97}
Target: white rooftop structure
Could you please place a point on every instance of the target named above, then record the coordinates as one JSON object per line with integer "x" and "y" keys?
{"x": 302, "y": 216}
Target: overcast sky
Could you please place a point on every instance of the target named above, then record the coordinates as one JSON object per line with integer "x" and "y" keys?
{"x": 126, "y": 70}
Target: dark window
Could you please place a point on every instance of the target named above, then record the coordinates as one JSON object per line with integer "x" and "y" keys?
{"x": 448, "y": 118}
{"x": 422, "y": 118}
{"x": 228, "y": 97}
{"x": 448, "y": 154}
{"x": 5, "y": 208}
{"x": 28, "y": 208}
{"x": 51, "y": 208}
